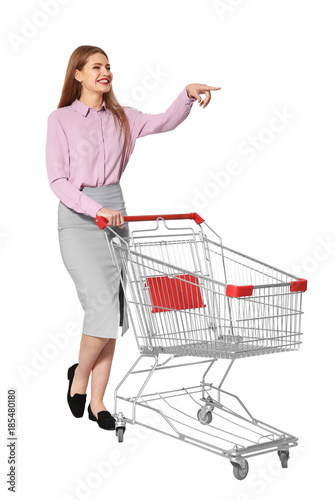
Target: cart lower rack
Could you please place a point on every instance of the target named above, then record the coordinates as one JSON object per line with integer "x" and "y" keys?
{"x": 188, "y": 295}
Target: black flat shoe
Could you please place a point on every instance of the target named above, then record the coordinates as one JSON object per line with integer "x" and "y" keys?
{"x": 105, "y": 420}
{"x": 77, "y": 401}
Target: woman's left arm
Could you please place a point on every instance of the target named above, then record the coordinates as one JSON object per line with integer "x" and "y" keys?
{"x": 143, "y": 124}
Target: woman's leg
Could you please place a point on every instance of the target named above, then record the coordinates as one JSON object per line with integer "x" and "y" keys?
{"x": 90, "y": 348}
{"x": 100, "y": 376}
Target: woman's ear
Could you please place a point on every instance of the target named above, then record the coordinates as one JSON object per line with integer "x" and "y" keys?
{"x": 77, "y": 75}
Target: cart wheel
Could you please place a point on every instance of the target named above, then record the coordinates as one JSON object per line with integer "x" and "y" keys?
{"x": 284, "y": 456}
{"x": 120, "y": 432}
{"x": 207, "y": 419}
{"x": 238, "y": 472}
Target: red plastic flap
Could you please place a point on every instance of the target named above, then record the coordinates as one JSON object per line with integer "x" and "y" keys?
{"x": 239, "y": 291}
{"x": 197, "y": 218}
{"x": 180, "y": 292}
{"x": 299, "y": 286}
{"x": 101, "y": 221}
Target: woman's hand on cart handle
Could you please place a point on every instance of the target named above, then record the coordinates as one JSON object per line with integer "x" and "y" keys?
{"x": 114, "y": 217}
{"x": 194, "y": 89}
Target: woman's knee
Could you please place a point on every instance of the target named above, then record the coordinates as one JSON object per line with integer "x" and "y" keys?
{"x": 94, "y": 340}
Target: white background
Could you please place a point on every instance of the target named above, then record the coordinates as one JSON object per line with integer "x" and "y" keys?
{"x": 267, "y": 56}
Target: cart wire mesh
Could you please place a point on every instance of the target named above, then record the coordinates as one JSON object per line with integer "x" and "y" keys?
{"x": 177, "y": 290}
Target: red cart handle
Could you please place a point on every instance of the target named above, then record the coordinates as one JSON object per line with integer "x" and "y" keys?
{"x": 102, "y": 221}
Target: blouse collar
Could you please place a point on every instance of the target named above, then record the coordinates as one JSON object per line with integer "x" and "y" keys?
{"x": 83, "y": 108}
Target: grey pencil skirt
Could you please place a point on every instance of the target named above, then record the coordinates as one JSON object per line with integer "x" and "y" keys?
{"x": 87, "y": 258}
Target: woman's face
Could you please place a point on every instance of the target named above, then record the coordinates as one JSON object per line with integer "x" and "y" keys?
{"x": 96, "y": 75}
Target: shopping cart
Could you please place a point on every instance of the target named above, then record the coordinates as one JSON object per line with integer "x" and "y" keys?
{"x": 188, "y": 295}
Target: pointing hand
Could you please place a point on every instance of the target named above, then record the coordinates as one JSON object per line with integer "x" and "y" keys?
{"x": 194, "y": 89}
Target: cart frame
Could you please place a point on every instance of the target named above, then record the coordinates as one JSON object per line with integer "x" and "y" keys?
{"x": 268, "y": 438}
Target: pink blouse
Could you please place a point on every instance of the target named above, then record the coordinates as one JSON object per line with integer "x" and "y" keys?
{"x": 83, "y": 147}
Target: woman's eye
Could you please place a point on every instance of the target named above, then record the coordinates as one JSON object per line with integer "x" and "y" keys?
{"x": 98, "y": 68}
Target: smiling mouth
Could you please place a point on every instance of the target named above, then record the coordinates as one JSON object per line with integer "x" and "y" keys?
{"x": 103, "y": 82}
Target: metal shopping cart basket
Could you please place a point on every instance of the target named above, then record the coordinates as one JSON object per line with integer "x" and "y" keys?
{"x": 188, "y": 295}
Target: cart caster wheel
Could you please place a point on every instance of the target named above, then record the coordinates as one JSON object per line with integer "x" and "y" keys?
{"x": 238, "y": 472}
{"x": 207, "y": 419}
{"x": 120, "y": 432}
{"x": 284, "y": 456}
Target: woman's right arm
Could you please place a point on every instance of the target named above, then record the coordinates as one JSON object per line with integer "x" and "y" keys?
{"x": 58, "y": 171}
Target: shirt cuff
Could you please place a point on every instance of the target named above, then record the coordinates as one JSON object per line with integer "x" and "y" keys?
{"x": 94, "y": 208}
{"x": 189, "y": 99}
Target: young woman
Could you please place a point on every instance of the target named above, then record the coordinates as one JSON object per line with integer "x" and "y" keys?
{"x": 90, "y": 138}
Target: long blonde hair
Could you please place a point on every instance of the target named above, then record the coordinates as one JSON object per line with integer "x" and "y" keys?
{"x": 72, "y": 91}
